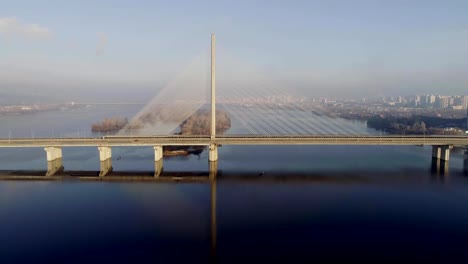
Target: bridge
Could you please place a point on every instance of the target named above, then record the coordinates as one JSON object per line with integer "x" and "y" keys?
{"x": 53, "y": 146}
{"x": 128, "y": 141}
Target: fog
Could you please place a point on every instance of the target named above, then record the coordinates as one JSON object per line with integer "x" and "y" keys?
{"x": 91, "y": 52}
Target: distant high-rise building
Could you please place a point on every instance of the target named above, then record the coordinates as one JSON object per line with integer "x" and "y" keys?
{"x": 451, "y": 101}
{"x": 459, "y": 102}
{"x": 465, "y": 101}
{"x": 429, "y": 100}
{"x": 425, "y": 100}
{"x": 442, "y": 101}
{"x": 417, "y": 101}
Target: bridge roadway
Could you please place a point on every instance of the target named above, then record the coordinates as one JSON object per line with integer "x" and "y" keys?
{"x": 117, "y": 141}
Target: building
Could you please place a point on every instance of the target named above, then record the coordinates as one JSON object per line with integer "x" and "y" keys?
{"x": 428, "y": 100}
{"x": 451, "y": 101}
{"x": 401, "y": 100}
{"x": 465, "y": 102}
{"x": 442, "y": 102}
{"x": 417, "y": 101}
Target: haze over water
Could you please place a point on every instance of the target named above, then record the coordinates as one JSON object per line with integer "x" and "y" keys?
{"x": 272, "y": 202}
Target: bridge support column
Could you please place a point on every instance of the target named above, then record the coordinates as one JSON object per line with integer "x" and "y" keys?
{"x": 158, "y": 161}
{"x": 158, "y": 168}
{"x": 436, "y": 152}
{"x": 445, "y": 153}
{"x": 440, "y": 159}
{"x": 465, "y": 162}
{"x": 105, "y": 158}
{"x": 158, "y": 153}
{"x": 213, "y": 155}
{"x": 54, "y": 160}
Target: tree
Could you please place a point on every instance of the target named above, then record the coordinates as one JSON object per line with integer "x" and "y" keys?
{"x": 423, "y": 126}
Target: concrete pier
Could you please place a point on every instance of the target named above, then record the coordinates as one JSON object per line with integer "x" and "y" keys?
{"x": 445, "y": 153}
{"x": 54, "y": 160}
{"x": 105, "y": 158}
{"x": 213, "y": 155}
{"x": 440, "y": 159}
{"x": 158, "y": 160}
{"x": 436, "y": 152}
{"x": 441, "y": 152}
{"x": 158, "y": 168}
{"x": 158, "y": 153}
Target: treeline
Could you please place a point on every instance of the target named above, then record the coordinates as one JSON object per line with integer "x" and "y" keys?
{"x": 417, "y": 124}
{"x": 200, "y": 123}
{"x": 109, "y": 124}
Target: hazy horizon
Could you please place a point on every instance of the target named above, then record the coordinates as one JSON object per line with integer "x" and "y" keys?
{"x": 118, "y": 49}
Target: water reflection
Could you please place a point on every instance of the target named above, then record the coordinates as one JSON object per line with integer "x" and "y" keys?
{"x": 135, "y": 216}
{"x": 213, "y": 198}
{"x": 465, "y": 162}
{"x": 439, "y": 168}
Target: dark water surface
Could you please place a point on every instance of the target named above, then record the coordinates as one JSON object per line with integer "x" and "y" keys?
{"x": 269, "y": 203}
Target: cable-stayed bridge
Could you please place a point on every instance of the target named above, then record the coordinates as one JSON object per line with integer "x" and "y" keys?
{"x": 265, "y": 122}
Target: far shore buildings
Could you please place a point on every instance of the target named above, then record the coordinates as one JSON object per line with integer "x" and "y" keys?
{"x": 432, "y": 101}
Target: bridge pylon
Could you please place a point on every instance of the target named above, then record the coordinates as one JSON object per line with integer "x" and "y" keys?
{"x": 213, "y": 86}
{"x": 213, "y": 155}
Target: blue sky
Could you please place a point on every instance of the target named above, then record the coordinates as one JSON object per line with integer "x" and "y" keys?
{"x": 341, "y": 47}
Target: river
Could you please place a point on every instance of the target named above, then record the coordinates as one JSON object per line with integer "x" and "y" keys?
{"x": 270, "y": 203}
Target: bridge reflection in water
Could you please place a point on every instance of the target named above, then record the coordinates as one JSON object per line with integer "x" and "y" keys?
{"x": 213, "y": 177}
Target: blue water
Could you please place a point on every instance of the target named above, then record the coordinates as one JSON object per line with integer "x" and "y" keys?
{"x": 272, "y": 203}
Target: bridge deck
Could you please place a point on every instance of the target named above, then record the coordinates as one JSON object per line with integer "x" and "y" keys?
{"x": 237, "y": 140}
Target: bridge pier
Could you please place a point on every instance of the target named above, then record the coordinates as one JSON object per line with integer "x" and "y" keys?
{"x": 54, "y": 160}
{"x": 158, "y": 153}
{"x": 105, "y": 158}
{"x": 440, "y": 159}
{"x": 158, "y": 160}
{"x": 436, "y": 152}
{"x": 441, "y": 152}
{"x": 213, "y": 155}
{"x": 158, "y": 168}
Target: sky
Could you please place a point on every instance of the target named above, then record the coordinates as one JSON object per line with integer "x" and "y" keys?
{"x": 313, "y": 48}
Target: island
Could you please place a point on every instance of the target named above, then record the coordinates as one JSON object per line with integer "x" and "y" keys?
{"x": 113, "y": 124}
{"x": 198, "y": 124}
